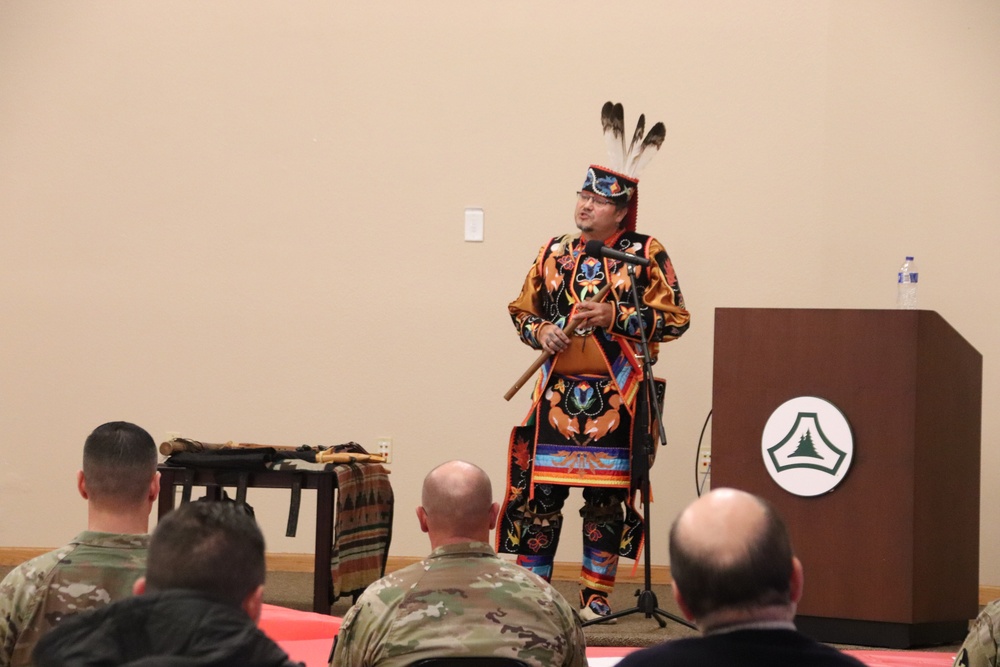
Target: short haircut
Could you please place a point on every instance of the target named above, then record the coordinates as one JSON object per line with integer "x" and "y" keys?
{"x": 459, "y": 495}
{"x": 759, "y": 578}
{"x": 119, "y": 460}
{"x": 213, "y": 547}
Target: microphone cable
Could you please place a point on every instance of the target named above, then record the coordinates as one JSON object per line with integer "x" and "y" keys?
{"x": 699, "y": 487}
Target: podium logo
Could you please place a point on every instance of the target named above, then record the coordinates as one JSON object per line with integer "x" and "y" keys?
{"x": 807, "y": 446}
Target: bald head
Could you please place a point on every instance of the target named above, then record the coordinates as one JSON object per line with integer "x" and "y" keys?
{"x": 720, "y": 525}
{"x": 730, "y": 550}
{"x": 457, "y": 503}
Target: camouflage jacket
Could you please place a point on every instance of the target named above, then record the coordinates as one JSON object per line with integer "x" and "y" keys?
{"x": 462, "y": 600}
{"x": 91, "y": 571}
{"x": 980, "y": 647}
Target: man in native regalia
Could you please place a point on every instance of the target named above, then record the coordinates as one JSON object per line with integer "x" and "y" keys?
{"x": 581, "y": 429}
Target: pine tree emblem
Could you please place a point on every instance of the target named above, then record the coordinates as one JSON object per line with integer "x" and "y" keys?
{"x": 816, "y": 454}
{"x": 806, "y": 447}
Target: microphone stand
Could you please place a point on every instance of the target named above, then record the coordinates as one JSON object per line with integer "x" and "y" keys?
{"x": 646, "y": 602}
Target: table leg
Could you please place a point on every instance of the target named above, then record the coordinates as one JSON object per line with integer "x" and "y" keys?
{"x": 322, "y": 578}
{"x": 165, "y": 501}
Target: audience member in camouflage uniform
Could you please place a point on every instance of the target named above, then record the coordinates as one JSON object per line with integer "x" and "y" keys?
{"x": 199, "y": 603}
{"x": 120, "y": 483}
{"x": 463, "y": 599}
{"x": 980, "y": 647}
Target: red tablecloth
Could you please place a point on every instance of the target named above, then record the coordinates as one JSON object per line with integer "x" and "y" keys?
{"x": 308, "y": 637}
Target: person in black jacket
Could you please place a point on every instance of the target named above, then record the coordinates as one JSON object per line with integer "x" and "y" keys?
{"x": 735, "y": 575}
{"x": 198, "y": 604}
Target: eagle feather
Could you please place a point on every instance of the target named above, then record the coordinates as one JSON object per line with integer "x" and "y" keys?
{"x": 632, "y": 159}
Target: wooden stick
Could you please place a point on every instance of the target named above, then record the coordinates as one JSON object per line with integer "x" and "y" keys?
{"x": 570, "y": 328}
{"x": 322, "y": 456}
{"x": 327, "y": 456}
{"x": 188, "y": 445}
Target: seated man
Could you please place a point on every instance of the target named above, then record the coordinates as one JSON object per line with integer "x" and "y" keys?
{"x": 735, "y": 576}
{"x": 120, "y": 483}
{"x": 462, "y": 600}
{"x": 198, "y": 604}
{"x": 980, "y": 646}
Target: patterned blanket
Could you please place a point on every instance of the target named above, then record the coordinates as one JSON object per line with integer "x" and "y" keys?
{"x": 362, "y": 528}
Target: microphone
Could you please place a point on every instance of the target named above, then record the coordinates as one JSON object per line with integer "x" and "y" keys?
{"x": 597, "y": 249}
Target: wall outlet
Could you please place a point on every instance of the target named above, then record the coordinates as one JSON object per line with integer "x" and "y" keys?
{"x": 384, "y": 446}
{"x": 705, "y": 462}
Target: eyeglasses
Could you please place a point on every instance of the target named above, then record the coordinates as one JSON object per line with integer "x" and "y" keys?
{"x": 590, "y": 198}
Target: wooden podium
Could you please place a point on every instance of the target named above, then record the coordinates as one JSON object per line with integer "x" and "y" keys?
{"x": 891, "y": 555}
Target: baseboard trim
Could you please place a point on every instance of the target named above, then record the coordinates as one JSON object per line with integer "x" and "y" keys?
{"x": 562, "y": 571}
{"x": 292, "y": 562}
{"x": 10, "y": 556}
{"x": 988, "y": 593}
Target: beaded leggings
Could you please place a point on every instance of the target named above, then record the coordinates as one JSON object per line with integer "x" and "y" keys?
{"x": 603, "y": 517}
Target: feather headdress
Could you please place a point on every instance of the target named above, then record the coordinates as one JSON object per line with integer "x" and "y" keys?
{"x": 631, "y": 160}
{"x": 619, "y": 181}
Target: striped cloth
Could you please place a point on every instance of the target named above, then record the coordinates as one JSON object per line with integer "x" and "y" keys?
{"x": 362, "y": 527}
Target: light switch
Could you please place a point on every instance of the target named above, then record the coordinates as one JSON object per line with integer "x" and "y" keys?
{"x": 475, "y": 222}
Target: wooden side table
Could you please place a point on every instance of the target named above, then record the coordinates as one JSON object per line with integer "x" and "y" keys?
{"x": 214, "y": 480}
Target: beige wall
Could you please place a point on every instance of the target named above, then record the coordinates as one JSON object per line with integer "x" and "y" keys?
{"x": 243, "y": 220}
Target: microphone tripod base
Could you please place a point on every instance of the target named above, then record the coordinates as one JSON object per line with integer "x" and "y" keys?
{"x": 648, "y": 605}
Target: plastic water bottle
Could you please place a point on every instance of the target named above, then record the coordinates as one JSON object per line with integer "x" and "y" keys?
{"x": 906, "y": 294}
